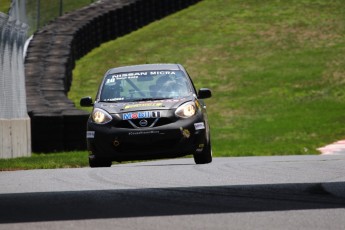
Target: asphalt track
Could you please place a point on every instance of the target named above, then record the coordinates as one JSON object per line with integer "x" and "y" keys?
{"x": 292, "y": 192}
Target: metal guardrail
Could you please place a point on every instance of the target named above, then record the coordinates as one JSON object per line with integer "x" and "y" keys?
{"x": 15, "y": 136}
{"x": 12, "y": 87}
{"x": 38, "y": 13}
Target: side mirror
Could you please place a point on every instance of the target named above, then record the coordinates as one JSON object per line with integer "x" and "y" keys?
{"x": 86, "y": 102}
{"x": 204, "y": 93}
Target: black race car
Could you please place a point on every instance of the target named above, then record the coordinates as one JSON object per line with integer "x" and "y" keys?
{"x": 149, "y": 111}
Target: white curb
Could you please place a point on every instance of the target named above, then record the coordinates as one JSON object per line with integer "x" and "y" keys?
{"x": 337, "y": 148}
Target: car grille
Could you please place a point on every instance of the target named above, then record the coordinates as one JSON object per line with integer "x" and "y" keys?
{"x": 136, "y": 123}
{"x": 149, "y": 145}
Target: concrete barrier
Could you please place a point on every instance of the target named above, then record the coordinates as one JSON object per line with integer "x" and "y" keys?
{"x": 15, "y": 138}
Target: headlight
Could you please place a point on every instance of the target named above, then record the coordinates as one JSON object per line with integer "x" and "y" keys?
{"x": 100, "y": 116}
{"x": 186, "y": 110}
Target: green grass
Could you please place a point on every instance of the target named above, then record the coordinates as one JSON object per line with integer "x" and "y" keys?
{"x": 276, "y": 68}
{"x": 5, "y": 5}
{"x": 46, "y": 161}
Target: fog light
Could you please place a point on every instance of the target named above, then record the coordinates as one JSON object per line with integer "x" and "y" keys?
{"x": 116, "y": 142}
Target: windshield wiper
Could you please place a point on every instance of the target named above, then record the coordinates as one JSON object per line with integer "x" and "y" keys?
{"x": 110, "y": 101}
{"x": 153, "y": 99}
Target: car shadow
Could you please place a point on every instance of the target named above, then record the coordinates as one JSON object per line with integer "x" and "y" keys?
{"x": 96, "y": 204}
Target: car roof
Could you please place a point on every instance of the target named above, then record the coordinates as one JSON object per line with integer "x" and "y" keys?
{"x": 145, "y": 67}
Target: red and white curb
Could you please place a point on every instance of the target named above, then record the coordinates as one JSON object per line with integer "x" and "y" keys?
{"x": 336, "y": 148}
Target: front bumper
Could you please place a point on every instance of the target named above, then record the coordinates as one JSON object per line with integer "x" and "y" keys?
{"x": 122, "y": 144}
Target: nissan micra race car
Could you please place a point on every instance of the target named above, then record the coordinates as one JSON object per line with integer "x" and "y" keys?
{"x": 144, "y": 112}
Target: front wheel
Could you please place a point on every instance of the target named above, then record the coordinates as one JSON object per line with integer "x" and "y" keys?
{"x": 205, "y": 156}
{"x": 96, "y": 162}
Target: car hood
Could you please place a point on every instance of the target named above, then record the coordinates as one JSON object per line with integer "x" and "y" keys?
{"x": 119, "y": 107}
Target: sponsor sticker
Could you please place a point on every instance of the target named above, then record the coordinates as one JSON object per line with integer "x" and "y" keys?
{"x": 197, "y": 104}
{"x": 135, "y": 75}
{"x": 90, "y": 134}
{"x": 162, "y": 73}
{"x": 185, "y": 132}
{"x": 123, "y": 76}
{"x": 199, "y": 150}
{"x": 143, "y": 133}
{"x": 199, "y": 125}
{"x": 143, "y": 105}
{"x": 140, "y": 115}
{"x": 115, "y": 99}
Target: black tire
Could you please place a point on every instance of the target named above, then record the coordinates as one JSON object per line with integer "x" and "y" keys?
{"x": 96, "y": 162}
{"x": 205, "y": 156}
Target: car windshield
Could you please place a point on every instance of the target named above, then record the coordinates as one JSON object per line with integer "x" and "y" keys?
{"x": 145, "y": 85}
